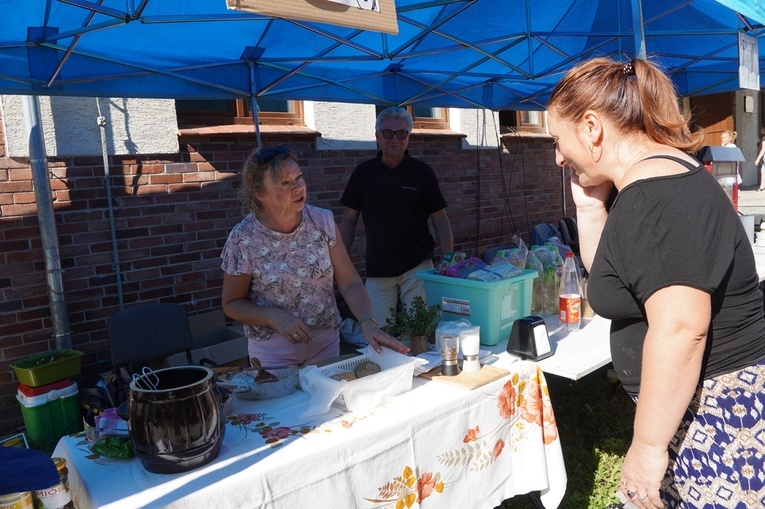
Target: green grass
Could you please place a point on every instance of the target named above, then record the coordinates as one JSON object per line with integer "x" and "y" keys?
{"x": 595, "y": 425}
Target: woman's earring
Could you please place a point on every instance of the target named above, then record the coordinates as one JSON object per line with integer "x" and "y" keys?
{"x": 596, "y": 157}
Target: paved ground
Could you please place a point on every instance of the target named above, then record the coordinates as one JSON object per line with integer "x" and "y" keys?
{"x": 752, "y": 202}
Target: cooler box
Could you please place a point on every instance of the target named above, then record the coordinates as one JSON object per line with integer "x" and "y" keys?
{"x": 493, "y": 306}
{"x": 50, "y": 412}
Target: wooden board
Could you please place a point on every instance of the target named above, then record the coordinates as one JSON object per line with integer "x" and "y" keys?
{"x": 325, "y": 12}
{"x": 468, "y": 381}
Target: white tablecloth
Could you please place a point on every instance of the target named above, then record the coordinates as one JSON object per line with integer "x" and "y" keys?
{"x": 436, "y": 446}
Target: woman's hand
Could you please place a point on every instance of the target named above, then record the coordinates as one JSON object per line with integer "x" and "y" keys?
{"x": 375, "y": 336}
{"x": 642, "y": 472}
{"x": 290, "y": 326}
{"x": 590, "y": 197}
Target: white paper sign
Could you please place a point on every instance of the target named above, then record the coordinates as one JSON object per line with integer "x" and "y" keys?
{"x": 748, "y": 62}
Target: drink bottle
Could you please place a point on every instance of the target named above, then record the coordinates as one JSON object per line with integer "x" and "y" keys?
{"x": 570, "y": 300}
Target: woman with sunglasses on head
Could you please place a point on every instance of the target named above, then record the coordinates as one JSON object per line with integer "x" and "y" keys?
{"x": 280, "y": 264}
{"x": 671, "y": 266}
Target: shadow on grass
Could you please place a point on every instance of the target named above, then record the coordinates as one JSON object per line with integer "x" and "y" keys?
{"x": 594, "y": 419}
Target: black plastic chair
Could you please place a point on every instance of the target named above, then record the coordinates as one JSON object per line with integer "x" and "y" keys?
{"x": 569, "y": 233}
{"x": 146, "y": 335}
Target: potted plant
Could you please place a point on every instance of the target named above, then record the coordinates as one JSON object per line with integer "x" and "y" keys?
{"x": 417, "y": 322}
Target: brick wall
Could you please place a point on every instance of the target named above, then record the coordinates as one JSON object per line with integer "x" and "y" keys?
{"x": 172, "y": 216}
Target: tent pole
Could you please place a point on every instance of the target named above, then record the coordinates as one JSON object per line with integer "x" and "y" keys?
{"x": 637, "y": 26}
{"x": 101, "y": 121}
{"x": 254, "y": 104}
{"x": 254, "y": 109}
{"x": 47, "y": 219}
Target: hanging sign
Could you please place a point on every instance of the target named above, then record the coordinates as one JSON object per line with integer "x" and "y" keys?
{"x": 375, "y": 15}
{"x": 748, "y": 62}
{"x": 367, "y": 5}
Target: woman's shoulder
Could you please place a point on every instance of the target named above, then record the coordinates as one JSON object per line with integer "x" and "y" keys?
{"x": 320, "y": 216}
{"x": 317, "y": 212}
{"x": 664, "y": 164}
{"x": 245, "y": 225}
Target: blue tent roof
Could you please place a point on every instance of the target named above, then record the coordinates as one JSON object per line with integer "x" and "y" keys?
{"x": 448, "y": 53}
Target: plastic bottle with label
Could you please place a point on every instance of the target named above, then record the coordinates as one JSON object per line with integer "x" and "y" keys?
{"x": 570, "y": 301}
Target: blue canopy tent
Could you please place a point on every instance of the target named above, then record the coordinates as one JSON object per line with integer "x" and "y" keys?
{"x": 448, "y": 53}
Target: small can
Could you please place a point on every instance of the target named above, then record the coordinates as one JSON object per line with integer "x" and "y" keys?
{"x": 56, "y": 496}
{"x": 19, "y": 500}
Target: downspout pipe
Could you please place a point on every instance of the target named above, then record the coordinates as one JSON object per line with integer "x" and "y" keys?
{"x": 47, "y": 219}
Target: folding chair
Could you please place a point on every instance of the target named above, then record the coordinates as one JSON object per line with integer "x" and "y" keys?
{"x": 144, "y": 335}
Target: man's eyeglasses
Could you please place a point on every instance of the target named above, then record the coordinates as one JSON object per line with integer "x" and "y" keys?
{"x": 268, "y": 155}
{"x": 388, "y": 134}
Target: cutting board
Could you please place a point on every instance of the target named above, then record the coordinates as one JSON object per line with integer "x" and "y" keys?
{"x": 468, "y": 381}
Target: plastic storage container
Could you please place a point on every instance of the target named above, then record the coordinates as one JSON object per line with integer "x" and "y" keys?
{"x": 49, "y": 367}
{"x": 494, "y": 306}
{"x": 49, "y": 416}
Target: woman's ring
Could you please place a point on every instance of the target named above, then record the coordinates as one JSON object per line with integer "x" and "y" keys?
{"x": 630, "y": 494}
{"x": 294, "y": 334}
{"x": 624, "y": 484}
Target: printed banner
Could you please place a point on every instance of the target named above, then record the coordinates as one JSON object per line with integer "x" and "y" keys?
{"x": 748, "y": 62}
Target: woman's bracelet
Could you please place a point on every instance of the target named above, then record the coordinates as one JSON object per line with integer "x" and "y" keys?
{"x": 367, "y": 318}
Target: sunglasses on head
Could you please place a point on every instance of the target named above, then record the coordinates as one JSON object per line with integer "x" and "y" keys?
{"x": 388, "y": 134}
{"x": 268, "y": 155}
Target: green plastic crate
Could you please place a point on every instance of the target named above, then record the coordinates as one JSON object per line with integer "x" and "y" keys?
{"x": 493, "y": 306}
{"x": 48, "y": 367}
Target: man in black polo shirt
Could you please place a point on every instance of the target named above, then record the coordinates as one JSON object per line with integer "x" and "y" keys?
{"x": 395, "y": 194}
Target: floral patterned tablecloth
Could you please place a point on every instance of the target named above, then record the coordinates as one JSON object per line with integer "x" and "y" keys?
{"x": 436, "y": 446}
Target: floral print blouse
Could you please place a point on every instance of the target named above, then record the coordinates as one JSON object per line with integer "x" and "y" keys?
{"x": 291, "y": 271}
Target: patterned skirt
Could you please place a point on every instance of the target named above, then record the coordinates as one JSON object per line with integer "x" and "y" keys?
{"x": 717, "y": 457}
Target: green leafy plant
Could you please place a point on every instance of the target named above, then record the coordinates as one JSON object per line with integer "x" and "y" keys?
{"x": 417, "y": 320}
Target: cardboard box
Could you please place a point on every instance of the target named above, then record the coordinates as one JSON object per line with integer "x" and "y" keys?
{"x": 226, "y": 345}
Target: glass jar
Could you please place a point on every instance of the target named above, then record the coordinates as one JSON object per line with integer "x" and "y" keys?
{"x": 56, "y": 496}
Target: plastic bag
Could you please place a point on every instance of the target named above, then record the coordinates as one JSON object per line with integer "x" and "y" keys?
{"x": 111, "y": 424}
{"x": 550, "y": 279}
{"x": 463, "y": 269}
{"x": 513, "y": 256}
{"x": 114, "y": 447}
{"x": 537, "y": 291}
{"x": 449, "y": 260}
